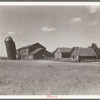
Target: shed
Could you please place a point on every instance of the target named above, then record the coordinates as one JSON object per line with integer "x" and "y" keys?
{"x": 62, "y": 52}
{"x": 81, "y": 54}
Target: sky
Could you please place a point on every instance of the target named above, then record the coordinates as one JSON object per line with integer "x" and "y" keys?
{"x": 51, "y": 26}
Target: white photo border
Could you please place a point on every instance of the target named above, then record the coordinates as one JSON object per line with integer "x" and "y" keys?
{"x": 50, "y": 4}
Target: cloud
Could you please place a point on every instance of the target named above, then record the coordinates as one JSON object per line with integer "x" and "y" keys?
{"x": 75, "y": 20}
{"x": 93, "y": 9}
{"x": 11, "y": 33}
{"x": 94, "y": 23}
{"x": 46, "y": 29}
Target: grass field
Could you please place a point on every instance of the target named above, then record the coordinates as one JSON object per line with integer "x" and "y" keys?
{"x": 43, "y": 77}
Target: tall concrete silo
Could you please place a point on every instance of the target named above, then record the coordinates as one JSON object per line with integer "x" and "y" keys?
{"x": 11, "y": 48}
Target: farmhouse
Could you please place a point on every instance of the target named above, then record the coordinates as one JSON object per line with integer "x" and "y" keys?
{"x": 81, "y": 54}
{"x": 62, "y": 53}
{"x": 34, "y": 51}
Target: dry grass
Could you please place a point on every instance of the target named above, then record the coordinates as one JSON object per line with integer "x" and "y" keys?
{"x": 49, "y": 78}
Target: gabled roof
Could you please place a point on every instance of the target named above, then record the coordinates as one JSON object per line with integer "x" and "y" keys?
{"x": 29, "y": 46}
{"x": 26, "y": 46}
{"x": 36, "y": 51}
{"x": 83, "y": 51}
{"x": 63, "y": 49}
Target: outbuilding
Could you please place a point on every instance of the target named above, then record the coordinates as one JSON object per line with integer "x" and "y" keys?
{"x": 80, "y": 54}
{"x": 62, "y": 52}
{"x": 34, "y": 51}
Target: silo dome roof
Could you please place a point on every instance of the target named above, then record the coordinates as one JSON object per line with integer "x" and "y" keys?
{"x": 8, "y": 38}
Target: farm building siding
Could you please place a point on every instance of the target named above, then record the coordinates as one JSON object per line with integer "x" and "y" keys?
{"x": 48, "y": 54}
{"x": 58, "y": 54}
{"x": 83, "y": 58}
{"x": 65, "y": 55}
{"x": 24, "y": 54}
{"x": 30, "y": 57}
{"x": 40, "y": 54}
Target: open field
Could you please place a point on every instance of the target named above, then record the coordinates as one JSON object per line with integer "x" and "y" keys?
{"x": 43, "y": 77}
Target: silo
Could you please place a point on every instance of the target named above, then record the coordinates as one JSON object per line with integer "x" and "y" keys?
{"x": 11, "y": 48}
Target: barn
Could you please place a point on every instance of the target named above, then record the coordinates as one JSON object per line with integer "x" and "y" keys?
{"x": 62, "y": 52}
{"x": 34, "y": 51}
{"x": 81, "y": 54}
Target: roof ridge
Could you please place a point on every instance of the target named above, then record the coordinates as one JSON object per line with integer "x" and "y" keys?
{"x": 27, "y": 46}
{"x": 64, "y": 47}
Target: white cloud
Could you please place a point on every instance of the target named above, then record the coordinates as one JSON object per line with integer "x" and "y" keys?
{"x": 11, "y": 33}
{"x": 75, "y": 20}
{"x": 93, "y": 9}
{"x": 46, "y": 29}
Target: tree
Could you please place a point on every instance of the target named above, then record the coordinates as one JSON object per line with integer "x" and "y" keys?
{"x": 94, "y": 46}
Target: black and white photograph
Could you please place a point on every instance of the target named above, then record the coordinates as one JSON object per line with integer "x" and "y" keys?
{"x": 50, "y": 49}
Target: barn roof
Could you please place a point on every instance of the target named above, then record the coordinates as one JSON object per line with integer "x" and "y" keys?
{"x": 28, "y": 46}
{"x": 36, "y": 51}
{"x": 64, "y": 49}
{"x": 83, "y": 51}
